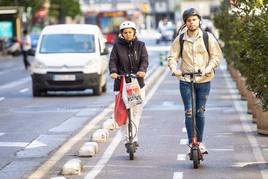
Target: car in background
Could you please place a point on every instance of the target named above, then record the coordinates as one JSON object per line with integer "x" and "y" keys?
{"x": 70, "y": 57}
{"x": 166, "y": 31}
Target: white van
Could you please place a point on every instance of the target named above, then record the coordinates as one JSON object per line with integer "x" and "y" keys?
{"x": 70, "y": 57}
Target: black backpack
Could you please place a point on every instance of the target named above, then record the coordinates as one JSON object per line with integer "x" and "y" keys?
{"x": 205, "y": 39}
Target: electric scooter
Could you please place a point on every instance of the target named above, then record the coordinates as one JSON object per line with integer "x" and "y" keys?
{"x": 131, "y": 146}
{"x": 195, "y": 155}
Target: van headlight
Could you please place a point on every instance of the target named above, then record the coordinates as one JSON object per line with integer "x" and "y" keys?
{"x": 38, "y": 64}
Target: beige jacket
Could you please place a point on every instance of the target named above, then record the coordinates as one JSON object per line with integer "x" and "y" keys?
{"x": 195, "y": 56}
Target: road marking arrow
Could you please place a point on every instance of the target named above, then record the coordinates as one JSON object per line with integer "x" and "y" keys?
{"x": 35, "y": 144}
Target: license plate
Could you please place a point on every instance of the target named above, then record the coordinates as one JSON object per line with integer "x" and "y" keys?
{"x": 64, "y": 77}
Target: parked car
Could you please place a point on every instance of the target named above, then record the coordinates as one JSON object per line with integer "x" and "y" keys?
{"x": 70, "y": 57}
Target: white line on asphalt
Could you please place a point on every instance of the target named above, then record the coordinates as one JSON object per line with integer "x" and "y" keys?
{"x": 221, "y": 150}
{"x": 2, "y": 98}
{"x": 246, "y": 127}
{"x": 24, "y": 90}
{"x": 184, "y": 129}
{"x": 153, "y": 90}
{"x": 244, "y": 164}
{"x": 15, "y": 83}
{"x": 181, "y": 156}
{"x": 184, "y": 141}
{"x": 178, "y": 175}
{"x": 2, "y": 133}
{"x": 105, "y": 157}
{"x": 158, "y": 48}
{"x": 13, "y": 144}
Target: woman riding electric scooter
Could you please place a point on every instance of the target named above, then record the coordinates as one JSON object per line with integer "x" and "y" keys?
{"x": 129, "y": 56}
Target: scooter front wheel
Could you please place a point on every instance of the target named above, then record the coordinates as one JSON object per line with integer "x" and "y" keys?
{"x": 131, "y": 151}
{"x": 195, "y": 158}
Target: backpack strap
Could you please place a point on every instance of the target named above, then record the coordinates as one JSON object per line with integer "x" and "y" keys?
{"x": 205, "y": 39}
{"x": 181, "y": 44}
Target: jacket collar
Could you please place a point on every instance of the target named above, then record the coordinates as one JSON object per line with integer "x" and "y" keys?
{"x": 122, "y": 41}
{"x": 199, "y": 35}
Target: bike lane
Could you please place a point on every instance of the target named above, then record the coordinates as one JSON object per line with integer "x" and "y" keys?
{"x": 230, "y": 136}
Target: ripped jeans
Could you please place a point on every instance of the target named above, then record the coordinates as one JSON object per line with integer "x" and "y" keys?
{"x": 202, "y": 92}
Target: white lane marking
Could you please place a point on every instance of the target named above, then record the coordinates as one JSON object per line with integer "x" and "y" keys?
{"x": 43, "y": 169}
{"x": 24, "y": 90}
{"x": 178, "y": 175}
{"x": 244, "y": 118}
{"x": 15, "y": 83}
{"x": 181, "y": 156}
{"x": 158, "y": 48}
{"x": 244, "y": 164}
{"x": 184, "y": 130}
{"x": 184, "y": 141}
{"x": 105, "y": 157}
{"x": 13, "y": 144}
{"x": 2, "y": 133}
{"x": 2, "y": 98}
{"x": 155, "y": 87}
{"x": 221, "y": 150}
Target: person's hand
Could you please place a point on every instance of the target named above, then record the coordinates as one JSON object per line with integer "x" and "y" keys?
{"x": 206, "y": 71}
{"x": 114, "y": 76}
{"x": 140, "y": 74}
{"x": 176, "y": 72}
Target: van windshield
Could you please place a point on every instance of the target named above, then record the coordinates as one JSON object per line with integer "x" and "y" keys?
{"x": 67, "y": 43}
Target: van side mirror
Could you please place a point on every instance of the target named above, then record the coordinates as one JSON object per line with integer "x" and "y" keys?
{"x": 105, "y": 51}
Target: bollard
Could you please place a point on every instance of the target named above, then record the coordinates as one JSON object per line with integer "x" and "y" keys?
{"x": 109, "y": 124}
{"x": 99, "y": 136}
{"x": 87, "y": 150}
{"x": 72, "y": 167}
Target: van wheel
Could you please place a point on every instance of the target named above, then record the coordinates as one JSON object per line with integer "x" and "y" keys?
{"x": 104, "y": 88}
{"x": 98, "y": 89}
{"x": 36, "y": 91}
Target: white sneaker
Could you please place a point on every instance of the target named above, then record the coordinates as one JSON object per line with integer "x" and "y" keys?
{"x": 203, "y": 148}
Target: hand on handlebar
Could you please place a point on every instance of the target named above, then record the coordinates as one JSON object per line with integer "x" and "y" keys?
{"x": 206, "y": 71}
{"x": 114, "y": 76}
{"x": 177, "y": 73}
{"x": 140, "y": 74}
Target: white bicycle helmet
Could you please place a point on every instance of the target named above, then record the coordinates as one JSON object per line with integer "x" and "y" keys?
{"x": 127, "y": 24}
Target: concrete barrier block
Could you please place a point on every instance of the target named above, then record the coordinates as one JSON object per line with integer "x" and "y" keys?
{"x": 109, "y": 124}
{"x": 106, "y": 131}
{"x": 72, "y": 167}
{"x": 99, "y": 136}
{"x": 87, "y": 150}
{"x": 96, "y": 146}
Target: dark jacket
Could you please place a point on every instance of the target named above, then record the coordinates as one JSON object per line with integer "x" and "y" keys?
{"x": 128, "y": 57}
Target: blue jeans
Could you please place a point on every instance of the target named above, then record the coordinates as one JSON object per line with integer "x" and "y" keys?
{"x": 202, "y": 92}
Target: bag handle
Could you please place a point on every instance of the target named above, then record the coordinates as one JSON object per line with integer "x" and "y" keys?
{"x": 121, "y": 82}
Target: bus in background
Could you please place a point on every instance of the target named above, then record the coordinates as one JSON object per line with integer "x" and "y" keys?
{"x": 109, "y": 22}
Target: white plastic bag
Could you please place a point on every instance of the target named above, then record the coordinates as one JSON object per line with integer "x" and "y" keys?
{"x": 131, "y": 93}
